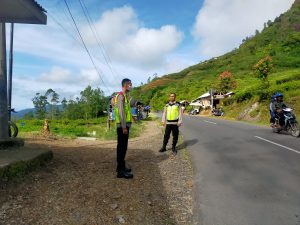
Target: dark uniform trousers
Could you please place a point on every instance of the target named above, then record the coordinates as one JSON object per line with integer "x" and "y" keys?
{"x": 121, "y": 148}
{"x": 175, "y": 132}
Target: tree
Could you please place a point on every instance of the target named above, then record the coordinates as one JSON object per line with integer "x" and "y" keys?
{"x": 74, "y": 110}
{"x": 269, "y": 23}
{"x": 226, "y": 82}
{"x": 54, "y": 99}
{"x": 265, "y": 25}
{"x": 263, "y": 68}
{"x": 64, "y": 104}
{"x": 93, "y": 102}
{"x": 40, "y": 102}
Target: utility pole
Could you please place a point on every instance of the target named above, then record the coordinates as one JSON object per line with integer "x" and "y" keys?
{"x": 3, "y": 86}
{"x": 10, "y": 69}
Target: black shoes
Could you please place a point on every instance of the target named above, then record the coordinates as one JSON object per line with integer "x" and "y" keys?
{"x": 127, "y": 169}
{"x": 124, "y": 174}
{"x": 162, "y": 149}
{"x": 174, "y": 150}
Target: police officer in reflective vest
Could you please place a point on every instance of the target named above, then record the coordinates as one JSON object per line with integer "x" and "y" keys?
{"x": 122, "y": 103}
{"x": 172, "y": 120}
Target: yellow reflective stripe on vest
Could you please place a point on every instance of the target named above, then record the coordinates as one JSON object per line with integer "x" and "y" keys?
{"x": 127, "y": 110}
{"x": 172, "y": 112}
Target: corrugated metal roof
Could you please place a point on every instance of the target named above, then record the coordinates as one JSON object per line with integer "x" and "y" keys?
{"x": 22, "y": 11}
{"x": 207, "y": 94}
{"x": 38, "y": 5}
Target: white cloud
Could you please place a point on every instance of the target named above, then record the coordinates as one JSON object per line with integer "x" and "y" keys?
{"x": 135, "y": 51}
{"x": 128, "y": 41}
{"x": 57, "y": 75}
{"x": 65, "y": 82}
{"x": 49, "y": 42}
{"x": 222, "y": 24}
{"x": 61, "y": 76}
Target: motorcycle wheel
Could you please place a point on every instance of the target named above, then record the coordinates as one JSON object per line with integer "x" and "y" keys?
{"x": 295, "y": 130}
{"x": 276, "y": 130}
{"x": 13, "y": 129}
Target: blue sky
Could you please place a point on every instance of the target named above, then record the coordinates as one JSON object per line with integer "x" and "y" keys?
{"x": 140, "y": 38}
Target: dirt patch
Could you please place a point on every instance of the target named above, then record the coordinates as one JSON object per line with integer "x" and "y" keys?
{"x": 80, "y": 186}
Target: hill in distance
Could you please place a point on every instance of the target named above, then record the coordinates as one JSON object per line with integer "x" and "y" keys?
{"x": 279, "y": 39}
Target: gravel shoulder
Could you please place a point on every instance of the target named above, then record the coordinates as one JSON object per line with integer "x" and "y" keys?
{"x": 79, "y": 186}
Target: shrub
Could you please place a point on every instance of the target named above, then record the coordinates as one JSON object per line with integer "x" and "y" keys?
{"x": 244, "y": 95}
{"x": 263, "y": 68}
{"x": 226, "y": 82}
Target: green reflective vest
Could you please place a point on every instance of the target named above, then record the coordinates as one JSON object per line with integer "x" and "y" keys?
{"x": 127, "y": 109}
{"x": 172, "y": 112}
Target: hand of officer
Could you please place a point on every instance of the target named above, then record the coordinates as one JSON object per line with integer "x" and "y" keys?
{"x": 178, "y": 124}
{"x": 164, "y": 124}
{"x": 125, "y": 131}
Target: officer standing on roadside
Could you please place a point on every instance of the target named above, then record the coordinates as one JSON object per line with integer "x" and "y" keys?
{"x": 172, "y": 120}
{"x": 122, "y": 103}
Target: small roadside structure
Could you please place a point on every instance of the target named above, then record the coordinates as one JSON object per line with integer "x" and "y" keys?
{"x": 203, "y": 101}
{"x": 13, "y": 11}
{"x": 219, "y": 98}
{"x": 16, "y": 161}
{"x": 208, "y": 101}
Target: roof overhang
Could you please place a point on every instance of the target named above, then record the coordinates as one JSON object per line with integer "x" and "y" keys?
{"x": 22, "y": 11}
{"x": 196, "y": 104}
{"x": 204, "y": 95}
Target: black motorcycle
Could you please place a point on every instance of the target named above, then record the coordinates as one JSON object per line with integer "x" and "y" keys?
{"x": 290, "y": 123}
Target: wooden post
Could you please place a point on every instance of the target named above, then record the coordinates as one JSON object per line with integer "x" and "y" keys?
{"x": 3, "y": 86}
{"x": 10, "y": 69}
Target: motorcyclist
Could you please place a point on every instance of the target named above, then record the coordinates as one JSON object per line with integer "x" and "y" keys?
{"x": 272, "y": 113}
{"x": 278, "y": 106}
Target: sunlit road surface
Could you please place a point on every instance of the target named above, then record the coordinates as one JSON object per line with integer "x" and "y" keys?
{"x": 244, "y": 174}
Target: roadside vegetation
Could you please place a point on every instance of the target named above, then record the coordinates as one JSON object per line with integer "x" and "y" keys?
{"x": 76, "y": 128}
{"x": 84, "y": 116}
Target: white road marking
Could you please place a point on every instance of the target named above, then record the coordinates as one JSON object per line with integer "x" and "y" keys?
{"x": 209, "y": 122}
{"x": 290, "y": 149}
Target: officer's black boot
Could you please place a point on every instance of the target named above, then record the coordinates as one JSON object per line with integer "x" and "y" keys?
{"x": 127, "y": 169}
{"x": 174, "y": 150}
{"x": 163, "y": 149}
{"x": 124, "y": 174}
{"x": 123, "y": 171}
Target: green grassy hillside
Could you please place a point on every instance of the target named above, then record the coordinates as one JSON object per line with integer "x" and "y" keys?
{"x": 280, "y": 39}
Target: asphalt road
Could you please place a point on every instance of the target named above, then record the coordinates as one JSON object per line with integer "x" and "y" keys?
{"x": 244, "y": 174}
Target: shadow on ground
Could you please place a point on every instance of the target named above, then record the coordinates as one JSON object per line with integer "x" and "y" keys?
{"x": 80, "y": 186}
{"x": 187, "y": 143}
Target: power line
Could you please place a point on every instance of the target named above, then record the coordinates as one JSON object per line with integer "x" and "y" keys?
{"x": 64, "y": 29}
{"x": 98, "y": 39}
{"x": 77, "y": 41}
{"x": 88, "y": 52}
